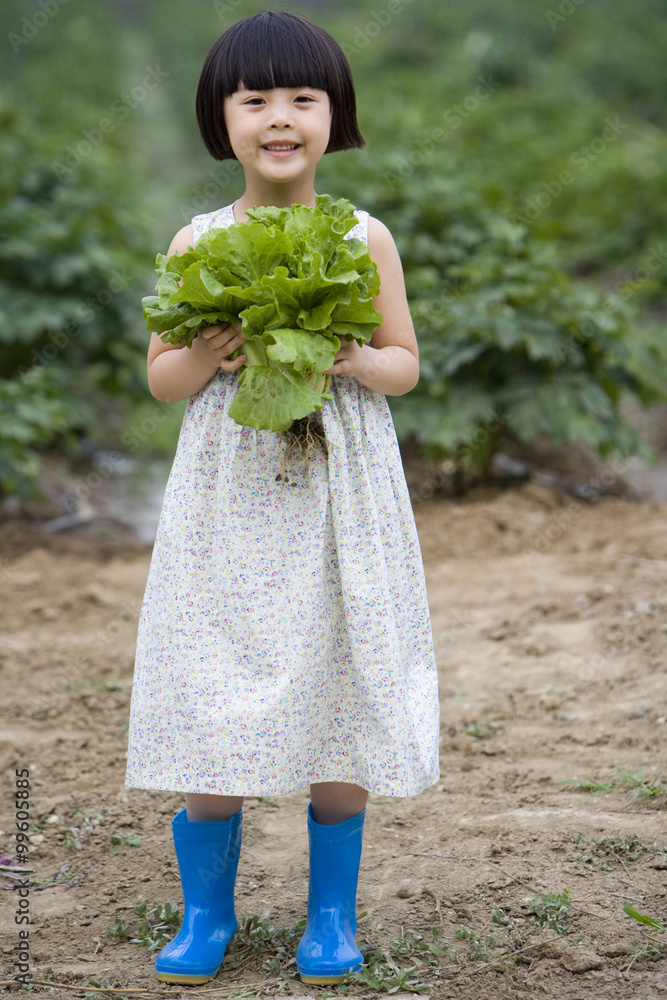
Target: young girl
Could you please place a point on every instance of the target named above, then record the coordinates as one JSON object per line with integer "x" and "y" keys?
{"x": 285, "y": 637}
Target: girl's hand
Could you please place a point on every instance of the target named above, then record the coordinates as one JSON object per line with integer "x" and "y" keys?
{"x": 215, "y": 343}
{"x": 350, "y": 359}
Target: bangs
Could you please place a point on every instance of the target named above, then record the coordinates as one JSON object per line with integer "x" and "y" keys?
{"x": 265, "y": 53}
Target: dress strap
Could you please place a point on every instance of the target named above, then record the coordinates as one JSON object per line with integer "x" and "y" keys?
{"x": 360, "y": 231}
{"x": 219, "y": 219}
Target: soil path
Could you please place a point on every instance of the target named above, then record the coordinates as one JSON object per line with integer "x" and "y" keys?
{"x": 550, "y": 632}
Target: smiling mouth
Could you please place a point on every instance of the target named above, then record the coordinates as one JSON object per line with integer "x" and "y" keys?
{"x": 282, "y": 147}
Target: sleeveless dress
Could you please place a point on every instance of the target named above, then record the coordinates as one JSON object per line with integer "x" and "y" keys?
{"x": 285, "y": 636}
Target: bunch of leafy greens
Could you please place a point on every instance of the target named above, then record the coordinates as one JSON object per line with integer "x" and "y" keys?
{"x": 296, "y": 285}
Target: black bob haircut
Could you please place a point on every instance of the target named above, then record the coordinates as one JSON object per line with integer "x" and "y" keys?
{"x": 275, "y": 49}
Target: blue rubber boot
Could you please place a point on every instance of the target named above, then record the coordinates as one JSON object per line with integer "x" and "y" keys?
{"x": 208, "y": 856}
{"x": 328, "y": 948}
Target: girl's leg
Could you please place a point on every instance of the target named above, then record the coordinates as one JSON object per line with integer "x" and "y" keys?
{"x": 335, "y": 802}
{"x": 217, "y": 808}
{"x": 328, "y": 948}
{"x": 208, "y": 857}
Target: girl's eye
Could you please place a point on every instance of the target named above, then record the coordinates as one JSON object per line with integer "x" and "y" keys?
{"x": 252, "y": 100}
{"x": 304, "y": 98}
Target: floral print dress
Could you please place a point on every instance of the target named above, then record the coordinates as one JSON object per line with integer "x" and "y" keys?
{"x": 285, "y": 636}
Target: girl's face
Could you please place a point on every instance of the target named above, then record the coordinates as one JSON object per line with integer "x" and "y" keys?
{"x": 278, "y": 135}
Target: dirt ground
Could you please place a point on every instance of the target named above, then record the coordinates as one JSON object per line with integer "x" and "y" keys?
{"x": 550, "y": 632}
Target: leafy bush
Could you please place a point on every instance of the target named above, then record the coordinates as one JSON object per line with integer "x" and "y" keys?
{"x": 73, "y": 240}
{"x": 588, "y": 177}
{"x": 549, "y": 92}
{"x": 33, "y": 414}
{"x": 510, "y": 345}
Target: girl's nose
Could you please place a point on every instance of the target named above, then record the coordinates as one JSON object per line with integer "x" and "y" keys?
{"x": 281, "y": 117}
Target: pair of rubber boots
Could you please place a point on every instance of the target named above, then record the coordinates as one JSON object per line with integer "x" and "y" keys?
{"x": 208, "y": 856}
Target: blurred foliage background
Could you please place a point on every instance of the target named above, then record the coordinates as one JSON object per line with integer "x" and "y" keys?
{"x": 517, "y": 152}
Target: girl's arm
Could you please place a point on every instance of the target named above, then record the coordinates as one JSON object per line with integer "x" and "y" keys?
{"x": 174, "y": 373}
{"x": 390, "y": 363}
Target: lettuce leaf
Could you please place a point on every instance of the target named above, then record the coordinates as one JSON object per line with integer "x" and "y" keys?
{"x": 296, "y": 285}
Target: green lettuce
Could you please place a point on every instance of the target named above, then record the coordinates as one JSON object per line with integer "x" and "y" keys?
{"x": 295, "y": 284}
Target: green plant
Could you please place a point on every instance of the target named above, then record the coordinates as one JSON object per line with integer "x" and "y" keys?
{"x": 120, "y": 840}
{"x": 43, "y": 821}
{"x": 71, "y": 839}
{"x": 553, "y": 77}
{"x": 276, "y": 946}
{"x": 653, "y": 948}
{"x": 482, "y": 731}
{"x": 612, "y": 209}
{"x": 382, "y": 972}
{"x": 385, "y": 976}
{"x": 551, "y": 910}
{"x": 259, "y": 937}
{"x": 75, "y": 834}
{"x": 101, "y": 988}
{"x": 512, "y": 349}
{"x": 474, "y": 939}
{"x": 118, "y": 929}
{"x": 295, "y": 284}
{"x": 606, "y": 853}
{"x": 499, "y": 942}
{"x": 414, "y": 944}
{"x": 587, "y": 784}
{"x": 254, "y": 937}
{"x": 499, "y": 916}
{"x": 113, "y": 684}
{"x": 95, "y": 684}
{"x": 643, "y": 786}
{"x": 34, "y": 414}
{"x": 158, "y": 926}
{"x": 72, "y": 242}
{"x": 643, "y": 919}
